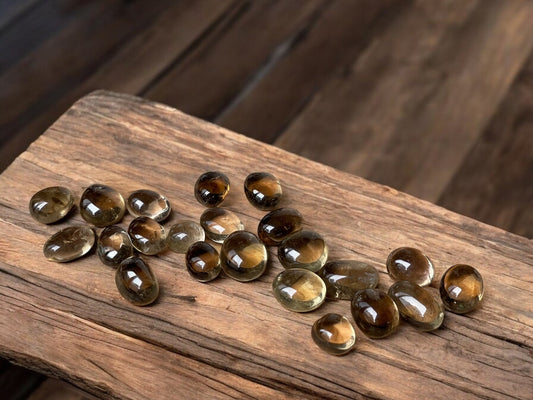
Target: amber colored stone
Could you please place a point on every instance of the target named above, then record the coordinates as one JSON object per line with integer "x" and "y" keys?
{"x": 203, "y": 261}
{"x": 303, "y": 249}
{"x": 211, "y": 188}
{"x": 375, "y": 313}
{"x": 218, "y": 223}
{"x": 299, "y": 290}
{"x": 69, "y": 244}
{"x": 114, "y": 245}
{"x": 147, "y": 203}
{"x": 262, "y": 190}
{"x": 183, "y": 234}
{"x": 461, "y": 288}
{"x": 417, "y": 305}
{"x": 410, "y": 264}
{"x": 147, "y": 235}
{"x": 279, "y": 224}
{"x": 51, "y": 204}
{"x": 345, "y": 277}
{"x": 243, "y": 256}
{"x": 334, "y": 334}
{"x": 101, "y": 205}
{"x": 136, "y": 282}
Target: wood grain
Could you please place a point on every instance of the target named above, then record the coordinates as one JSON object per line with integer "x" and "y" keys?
{"x": 234, "y": 340}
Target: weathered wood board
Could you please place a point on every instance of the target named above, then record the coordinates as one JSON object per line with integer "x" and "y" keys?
{"x": 234, "y": 340}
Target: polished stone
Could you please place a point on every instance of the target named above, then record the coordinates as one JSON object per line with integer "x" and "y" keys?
{"x": 101, "y": 205}
{"x": 299, "y": 290}
{"x": 345, "y": 277}
{"x": 147, "y": 203}
{"x": 279, "y": 224}
{"x": 69, "y": 243}
{"x": 114, "y": 245}
{"x": 375, "y": 313}
{"x": 218, "y": 223}
{"x": 147, "y": 235}
{"x": 136, "y": 282}
{"x": 211, "y": 188}
{"x": 303, "y": 249}
{"x": 203, "y": 261}
{"x": 417, "y": 305}
{"x": 183, "y": 234}
{"x": 410, "y": 264}
{"x": 461, "y": 288}
{"x": 243, "y": 256}
{"x": 262, "y": 190}
{"x": 334, "y": 334}
{"x": 51, "y": 204}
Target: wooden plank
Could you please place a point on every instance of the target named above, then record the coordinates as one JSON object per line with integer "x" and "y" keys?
{"x": 234, "y": 339}
{"x": 56, "y": 389}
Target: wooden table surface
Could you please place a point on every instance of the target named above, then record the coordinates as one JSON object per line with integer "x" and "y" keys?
{"x": 227, "y": 339}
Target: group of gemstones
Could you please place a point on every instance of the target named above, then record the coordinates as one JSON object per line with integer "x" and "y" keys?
{"x": 305, "y": 283}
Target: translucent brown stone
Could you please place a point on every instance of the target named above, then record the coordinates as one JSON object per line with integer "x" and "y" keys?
{"x": 218, "y": 223}
{"x": 279, "y": 224}
{"x": 461, "y": 288}
{"x": 203, "y": 261}
{"x": 345, "y": 277}
{"x": 69, "y": 244}
{"x": 183, "y": 234}
{"x": 299, "y": 290}
{"x": 410, "y": 264}
{"x": 211, "y": 188}
{"x": 114, "y": 245}
{"x": 51, "y": 204}
{"x": 375, "y": 313}
{"x": 262, "y": 190}
{"x": 136, "y": 282}
{"x": 303, "y": 249}
{"x": 243, "y": 256}
{"x": 334, "y": 334}
{"x": 417, "y": 305}
{"x": 147, "y": 203}
{"x": 147, "y": 235}
{"x": 101, "y": 205}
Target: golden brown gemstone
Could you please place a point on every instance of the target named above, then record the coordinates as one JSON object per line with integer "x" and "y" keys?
{"x": 136, "y": 282}
{"x": 243, "y": 256}
{"x": 417, "y": 305}
{"x": 278, "y": 224}
{"x": 299, "y": 290}
{"x": 303, "y": 249}
{"x": 345, "y": 277}
{"x": 375, "y": 313}
{"x": 181, "y": 235}
{"x": 69, "y": 244}
{"x": 203, "y": 261}
{"x": 218, "y": 223}
{"x": 334, "y": 334}
{"x": 410, "y": 264}
{"x": 101, "y": 205}
{"x": 51, "y": 204}
{"x": 211, "y": 188}
{"x": 461, "y": 288}
{"x": 147, "y": 203}
{"x": 147, "y": 235}
{"x": 114, "y": 245}
{"x": 262, "y": 190}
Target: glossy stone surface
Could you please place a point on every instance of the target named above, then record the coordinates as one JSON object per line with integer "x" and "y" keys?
{"x": 375, "y": 313}
{"x": 51, "y": 204}
{"x": 218, "y": 223}
{"x": 114, "y": 245}
{"x": 410, "y": 264}
{"x": 303, "y": 249}
{"x": 299, "y": 290}
{"x": 243, "y": 256}
{"x": 147, "y": 203}
{"x": 101, "y": 205}
{"x": 183, "y": 234}
{"x": 262, "y": 190}
{"x": 417, "y": 305}
{"x": 136, "y": 282}
{"x": 345, "y": 277}
{"x": 147, "y": 235}
{"x": 334, "y": 334}
{"x": 69, "y": 244}
{"x": 279, "y": 224}
{"x": 211, "y": 188}
{"x": 461, "y": 288}
{"x": 203, "y": 261}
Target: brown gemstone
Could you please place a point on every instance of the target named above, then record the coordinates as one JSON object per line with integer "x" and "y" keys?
{"x": 101, "y": 205}
{"x": 147, "y": 235}
{"x": 69, "y": 244}
{"x": 114, "y": 245}
{"x": 183, "y": 234}
{"x": 243, "y": 256}
{"x": 147, "y": 203}
{"x": 299, "y": 290}
{"x": 278, "y": 224}
{"x": 203, "y": 261}
{"x": 136, "y": 282}
{"x": 375, "y": 313}
{"x": 303, "y": 249}
{"x": 461, "y": 288}
{"x": 218, "y": 223}
{"x": 410, "y": 264}
{"x": 345, "y": 277}
{"x": 51, "y": 204}
{"x": 262, "y": 190}
{"x": 334, "y": 334}
{"x": 211, "y": 188}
